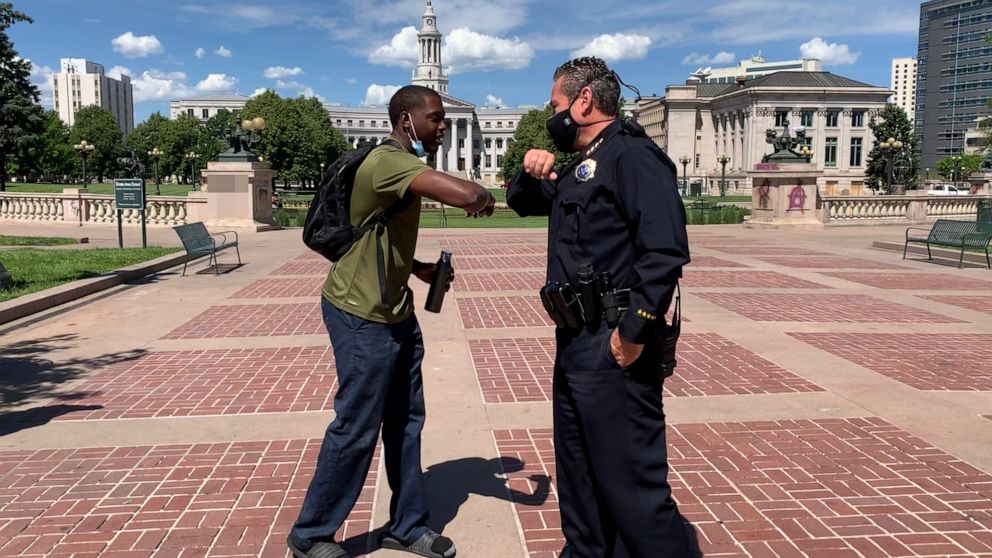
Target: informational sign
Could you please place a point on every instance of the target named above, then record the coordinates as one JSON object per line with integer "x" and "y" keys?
{"x": 130, "y": 193}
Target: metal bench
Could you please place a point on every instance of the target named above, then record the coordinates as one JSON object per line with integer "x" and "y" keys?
{"x": 198, "y": 242}
{"x": 953, "y": 234}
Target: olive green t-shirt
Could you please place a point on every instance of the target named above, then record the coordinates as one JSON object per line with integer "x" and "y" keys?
{"x": 353, "y": 283}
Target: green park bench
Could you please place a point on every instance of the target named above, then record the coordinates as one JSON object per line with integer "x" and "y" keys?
{"x": 198, "y": 242}
{"x": 954, "y": 234}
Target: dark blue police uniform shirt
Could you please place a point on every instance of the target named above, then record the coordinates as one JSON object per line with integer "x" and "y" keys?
{"x": 627, "y": 219}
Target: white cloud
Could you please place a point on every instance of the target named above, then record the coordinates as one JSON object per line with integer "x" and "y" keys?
{"x": 154, "y": 85}
{"x": 223, "y": 52}
{"x": 720, "y": 58}
{"x": 278, "y": 72}
{"x": 217, "y": 82}
{"x": 492, "y": 101}
{"x": 259, "y": 91}
{"x": 401, "y": 50}
{"x": 91, "y": 20}
{"x": 351, "y": 81}
{"x": 200, "y": 53}
{"x": 613, "y": 48}
{"x": 831, "y": 54}
{"x": 299, "y": 88}
{"x": 133, "y": 46}
{"x": 379, "y": 95}
{"x": 465, "y": 50}
{"x": 117, "y": 71}
{"x": 41, "y": 77}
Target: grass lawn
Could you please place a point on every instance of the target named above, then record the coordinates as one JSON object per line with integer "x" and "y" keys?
{"x": 35, "y": 241}
{"x": 501, "y": 219}
{"x": 34, "y": 270}
{"x": 104, "y": 189}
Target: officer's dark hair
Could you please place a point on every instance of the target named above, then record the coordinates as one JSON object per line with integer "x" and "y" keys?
{"x": 593, "y": 73}
{"x": 408, "y": 98}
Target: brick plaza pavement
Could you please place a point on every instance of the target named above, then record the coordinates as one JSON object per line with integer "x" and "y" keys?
{"x": 831, "y": 401}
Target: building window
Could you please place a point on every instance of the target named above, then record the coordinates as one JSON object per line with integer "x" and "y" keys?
{"x": 856, "y": 145}
{"x": 806, "y": 119}
{"x": 858, "y": 119}
{"x": 338, "y": 122}
{"x": 461, "y": 143}
{"x": 475, "y": 144}
{"x": 385, "y": 123}
{"x": 489, "y": 125}
{"x": 361, "y": 123}
{"x": 349, "y": 123}
{"x": 489, "y": 143}
{"x": 206, "y": 113}
{"x": 830, "y": 153}
{"x": 499, "y": 143}
{"x": 509, "y": 124}
{"x": 499, "y": 124}
{"x": 372, "y": 123}
{"x": 489, "y": 161}
{"x": 781, "y": 118}
{"x": 833, "y": 119}
{"x": 499, "y": 160}
{"x": 189, "y": 112}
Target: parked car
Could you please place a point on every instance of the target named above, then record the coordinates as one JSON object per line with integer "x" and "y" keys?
{"x": 948, "y": 190}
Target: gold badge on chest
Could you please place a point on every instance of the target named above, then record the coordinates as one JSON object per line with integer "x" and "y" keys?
{"x": 585, "y": 171}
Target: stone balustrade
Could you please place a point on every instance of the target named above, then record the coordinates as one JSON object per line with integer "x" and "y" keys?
{"x": 868, "y": 210}
{"x": 77, "y": 207}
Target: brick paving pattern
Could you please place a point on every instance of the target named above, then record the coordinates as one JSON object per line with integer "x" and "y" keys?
{"x": 830, "y": 262}
{"x": 976, "y": 303}
{"x": 963, "y": 365}
{"x": 710, "y": 261}
{"x": 498, "y": 263}
{"x": 502, "y": 250}
{"x": 311, "y": 255}
{"x": 501, "y": 281}
{"x": 261, "y": 320}
{"x": 498, "y": 240}
{"x": 503, "y": 311}
{"x": 915, "y": 281}
{"x": 820, "y": 308}
{"x": 748, "y": 279}
{"x": 825, "y": 488}
{"x": 517, "y": 370}
{"x": 220, "y": 499}
{"x": 769, "y": 250}
{"x": 316, "y": 267}
{"x": 282, "y": 288}
{"x": 214, "y": 382}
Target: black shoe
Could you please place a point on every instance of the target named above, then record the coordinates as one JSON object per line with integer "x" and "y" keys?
{"x": 318, "y": 550}
{"x": 430, "y": 544}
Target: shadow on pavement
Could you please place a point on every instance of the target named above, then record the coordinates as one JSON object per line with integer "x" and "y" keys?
{"x": 38, "y": 416}
{"x": 27, "y": 374}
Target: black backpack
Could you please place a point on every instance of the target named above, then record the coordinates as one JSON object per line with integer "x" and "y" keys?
{"x": 328, "y": 229}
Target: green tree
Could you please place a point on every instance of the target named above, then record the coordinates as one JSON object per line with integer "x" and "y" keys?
{"x": 281, "y": 137}
{"x": 56, "y": 158}
{"x": 97, "y": 126}
{"x": 213, "y": 135}
{"x": 145, "y": 137}
{"x": 180, "y": 136}
{"x": 319, "y": 142}
{"x": 532, "y": 133}
{"x": 892, "y": 123}
{"x": 958, "y": 167}
{"x": 21, "y": 117}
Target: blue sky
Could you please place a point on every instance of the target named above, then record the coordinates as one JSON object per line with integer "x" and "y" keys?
{"x": 354, "y": 52}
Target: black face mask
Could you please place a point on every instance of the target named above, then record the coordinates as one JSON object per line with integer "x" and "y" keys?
{"x": 563, "y": 129}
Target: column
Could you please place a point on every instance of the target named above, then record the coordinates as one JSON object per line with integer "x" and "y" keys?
{"x": 469, "y": 149}
{"x": 453, "y": 150}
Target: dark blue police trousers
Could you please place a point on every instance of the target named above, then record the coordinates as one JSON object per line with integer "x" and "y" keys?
{"x": 379, "y": 385}
{"x": 612, "y": 463}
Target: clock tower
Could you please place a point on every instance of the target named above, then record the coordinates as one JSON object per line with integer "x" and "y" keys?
{"x": 429, "y": 72}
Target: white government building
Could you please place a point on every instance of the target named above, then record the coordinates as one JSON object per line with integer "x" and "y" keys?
{"x": 81, "y": 83}
{"x": 474, "y": 143}
{"x": 702, "y": 121}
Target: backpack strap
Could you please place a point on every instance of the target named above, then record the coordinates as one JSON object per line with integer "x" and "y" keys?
{"x": 379, "y": 224}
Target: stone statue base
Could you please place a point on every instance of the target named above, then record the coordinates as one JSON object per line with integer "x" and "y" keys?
{"x": 784, "y": 196}
{"x": 239, "y": 197}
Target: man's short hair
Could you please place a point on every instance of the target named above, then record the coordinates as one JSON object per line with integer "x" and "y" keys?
{"x": 408, "y": 98}
{"x": 593, "y": 73}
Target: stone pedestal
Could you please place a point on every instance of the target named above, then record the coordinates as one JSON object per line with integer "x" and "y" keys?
{"x": 981, "y": 182}
{"x": 73, "y": 208}
{"x": 784, "y": 196}
{"x": 239, "y": 197}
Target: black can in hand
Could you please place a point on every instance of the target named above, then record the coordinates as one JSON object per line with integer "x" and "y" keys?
{"x": 442, "y": 274}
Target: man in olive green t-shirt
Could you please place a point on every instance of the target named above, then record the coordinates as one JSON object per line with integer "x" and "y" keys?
{"x": 378, "y": 346}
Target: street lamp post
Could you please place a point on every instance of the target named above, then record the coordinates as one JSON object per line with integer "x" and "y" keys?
{"x": 191, "y": 157}
{"x": 156, "y": 154}
{"x": 723, "y": 159}
{"x": 928, "y": 174}
{"x": 890, "y": 147}
{"x": 685, "y": 178}
{"x": 84, "y": 149}
{"x": 321, "y": 180}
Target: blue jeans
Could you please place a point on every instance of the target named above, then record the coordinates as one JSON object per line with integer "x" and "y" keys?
{"x": 379, "y": 385}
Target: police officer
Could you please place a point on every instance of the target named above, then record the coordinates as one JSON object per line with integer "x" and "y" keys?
{"x": 614, "y": 209}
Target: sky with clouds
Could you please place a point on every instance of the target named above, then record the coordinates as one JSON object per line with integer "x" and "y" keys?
{"x": 357, "y": 52}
